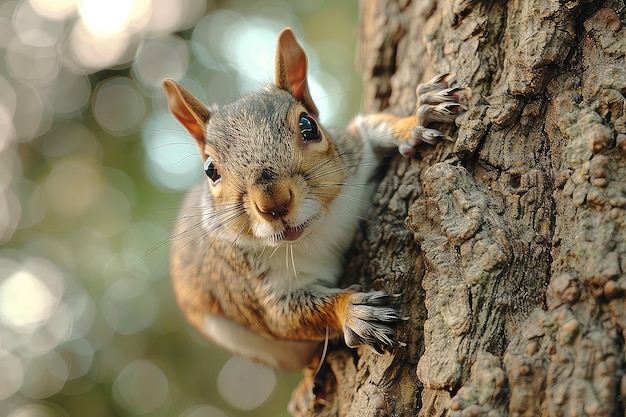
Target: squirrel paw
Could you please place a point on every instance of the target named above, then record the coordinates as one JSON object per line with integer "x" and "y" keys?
{"x": 367, "y": 322}
{"x": 437, "y": 102}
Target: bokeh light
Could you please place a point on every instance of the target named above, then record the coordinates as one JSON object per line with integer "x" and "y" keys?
{"x": 92, "y": 170}
{"x": 12, "y": 374}
{"x": 118, "y": 106}
{"x": 23, "y": 289}
{"x": 39, "y": 410}
{"x": 245, "y": 385}
{"x": 203, "y": 411}
{"x": 141, "y": 387}
{"x": 156, "y": 59}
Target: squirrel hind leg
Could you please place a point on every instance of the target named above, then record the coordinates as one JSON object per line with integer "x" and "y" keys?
{"x": 279, "y": 354}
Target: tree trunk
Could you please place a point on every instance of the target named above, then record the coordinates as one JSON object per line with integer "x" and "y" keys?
{"x": 509, "y": 246}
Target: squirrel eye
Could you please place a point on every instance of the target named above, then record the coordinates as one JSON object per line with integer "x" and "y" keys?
{"x": 308, "y": 128}
{"x": 210, "y": 170}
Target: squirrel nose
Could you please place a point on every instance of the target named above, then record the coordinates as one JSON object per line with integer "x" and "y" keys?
{"x": 275, "y": 206}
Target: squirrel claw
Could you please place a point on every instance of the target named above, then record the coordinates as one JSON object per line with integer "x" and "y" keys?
{"x": 428, "y": 135}
{"x": 444, "y": 112}
{"x": 437, "y": 83}
{"x": 367, "y": 322}
{"x": 437, "y": 102}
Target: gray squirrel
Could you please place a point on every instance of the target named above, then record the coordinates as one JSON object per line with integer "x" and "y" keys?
{"x": 257, "y": 250}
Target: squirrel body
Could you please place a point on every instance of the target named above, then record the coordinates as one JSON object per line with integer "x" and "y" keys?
{"x": 257, "y": 251}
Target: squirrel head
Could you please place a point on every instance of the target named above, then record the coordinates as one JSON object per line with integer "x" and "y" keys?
{"x": 272, "y": 169}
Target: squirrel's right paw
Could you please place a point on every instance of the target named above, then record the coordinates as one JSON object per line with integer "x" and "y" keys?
{"x": 437, "y": 102}
{"x": 367, "y": 322}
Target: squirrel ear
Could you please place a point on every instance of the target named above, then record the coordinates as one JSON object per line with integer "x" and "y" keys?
{"x": 189, "y": 111}
{"x": 290, "y": 69}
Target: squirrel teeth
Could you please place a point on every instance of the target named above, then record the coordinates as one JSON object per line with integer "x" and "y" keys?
{"x": 291, "y": 234}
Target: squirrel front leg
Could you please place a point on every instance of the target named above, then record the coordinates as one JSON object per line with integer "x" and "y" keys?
{"x": 437, "y": 103}
{"x": 316, "y": 312}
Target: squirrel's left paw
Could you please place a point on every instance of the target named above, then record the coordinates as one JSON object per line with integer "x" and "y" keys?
{"x": 437, "y": 103}
{"x": 367, "y": 322}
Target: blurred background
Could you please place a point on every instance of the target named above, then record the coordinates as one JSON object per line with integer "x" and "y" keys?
{"x": 92, "y": 169}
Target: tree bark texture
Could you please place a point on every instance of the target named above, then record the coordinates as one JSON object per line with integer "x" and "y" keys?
{"x": 508, "y": 247}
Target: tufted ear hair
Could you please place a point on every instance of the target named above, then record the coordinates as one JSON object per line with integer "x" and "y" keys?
{"x": 290, "y": 72}
{"x": 189, "y": 111}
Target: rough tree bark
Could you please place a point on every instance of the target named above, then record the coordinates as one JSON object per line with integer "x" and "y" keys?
{"x": 509, "y": 246}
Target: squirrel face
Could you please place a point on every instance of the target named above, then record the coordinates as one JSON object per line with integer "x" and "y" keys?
{"x": 270, "y": 160}
{"x": 272, "y": 168}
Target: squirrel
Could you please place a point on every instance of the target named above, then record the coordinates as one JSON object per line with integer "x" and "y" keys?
{"x": 257, "y": 251}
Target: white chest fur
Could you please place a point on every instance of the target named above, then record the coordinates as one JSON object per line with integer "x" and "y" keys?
{"x": 318, "y": 258}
